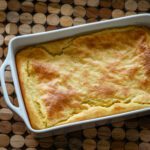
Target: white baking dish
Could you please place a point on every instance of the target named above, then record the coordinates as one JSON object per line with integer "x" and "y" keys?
{"x": 18, "y": 42}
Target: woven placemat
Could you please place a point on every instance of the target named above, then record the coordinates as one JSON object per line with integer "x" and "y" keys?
{"x": 30, "y": 16}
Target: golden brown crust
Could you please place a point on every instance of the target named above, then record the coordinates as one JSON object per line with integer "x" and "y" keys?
{"x": 35, "y": 120}
{"x": 86, "y": 77}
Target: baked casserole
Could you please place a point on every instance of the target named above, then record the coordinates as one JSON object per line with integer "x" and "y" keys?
{"x": 85, "y": 77}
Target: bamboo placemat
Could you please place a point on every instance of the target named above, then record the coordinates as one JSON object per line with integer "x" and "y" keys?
{"x": 30, "y": 16}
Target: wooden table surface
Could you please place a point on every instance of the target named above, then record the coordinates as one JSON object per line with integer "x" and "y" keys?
{"x": 31, "y": 16}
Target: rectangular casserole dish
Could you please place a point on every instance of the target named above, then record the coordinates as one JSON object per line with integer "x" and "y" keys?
{"x": 26, "y": 40}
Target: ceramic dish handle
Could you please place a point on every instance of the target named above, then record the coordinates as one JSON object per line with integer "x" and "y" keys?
{"x": 4, "y": 89}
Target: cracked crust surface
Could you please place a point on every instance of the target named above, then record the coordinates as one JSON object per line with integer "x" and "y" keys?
{"x": 85, "y": 77}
